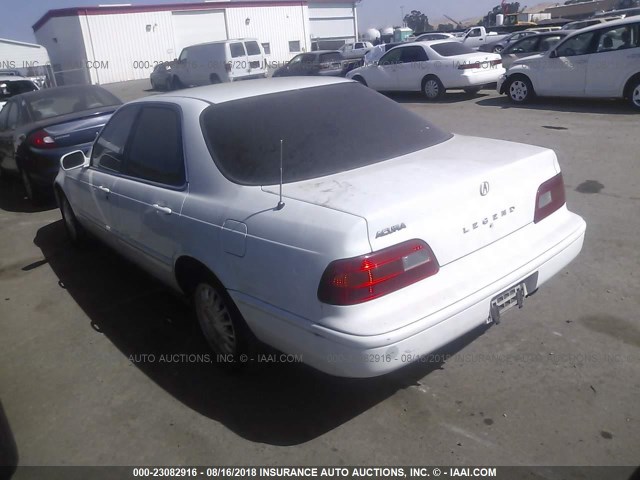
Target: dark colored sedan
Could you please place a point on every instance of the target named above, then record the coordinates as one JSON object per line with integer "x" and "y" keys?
{"x": 525, "y": 47}
{"x": 497, "y": 47}
{"x": 323, "y": 62}
{"x": 37, "y": 128}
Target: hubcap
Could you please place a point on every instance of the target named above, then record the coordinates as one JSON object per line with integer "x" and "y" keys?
{"x": 215, "y": 319}
{"x": 636, "y": 96}
{"x": 518, "y": 90}
{"x": 431, "y": 88}
{"x": 68, "y": 219}
{"x": 497, "y": 49}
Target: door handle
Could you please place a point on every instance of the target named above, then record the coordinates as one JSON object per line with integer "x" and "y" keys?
{"x": 103, "y": 189}
{"x": 165, "y": 210}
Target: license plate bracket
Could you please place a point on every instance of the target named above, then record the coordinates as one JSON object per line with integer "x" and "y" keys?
{"x": 506, "y": 300}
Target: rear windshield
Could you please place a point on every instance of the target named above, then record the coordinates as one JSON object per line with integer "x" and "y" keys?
{"x": 330, "y": 57}
{"x": 252, "y": 48}
{"x": 325, "y": 130}
{"x": 451, "y": 49}
{"x": 9, "y": 88}
{"x": 55, "y": 102}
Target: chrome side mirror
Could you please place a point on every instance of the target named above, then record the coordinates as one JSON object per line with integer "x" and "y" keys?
{"x": 73, "y": 160}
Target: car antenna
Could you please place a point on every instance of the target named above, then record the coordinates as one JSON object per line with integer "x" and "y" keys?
{"x": 281, "y": 203}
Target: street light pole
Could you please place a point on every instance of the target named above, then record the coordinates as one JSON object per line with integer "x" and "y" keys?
{"x": 402, "y": 14}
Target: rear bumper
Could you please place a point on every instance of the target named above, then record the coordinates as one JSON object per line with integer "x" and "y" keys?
{"x": 477, "y": 79}
{"x": 502, "y": 84}
{"x": 343, "y": 354}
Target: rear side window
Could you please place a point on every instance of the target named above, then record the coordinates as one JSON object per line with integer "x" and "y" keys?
{"x": 252, "y": 48}
{"x": 15, "y": 87}
{"x": 330, "y": 57}
{"x": 451, "y": 49}
{"x": 237, "y": 50}
{"x": 156, "y": 147}
{"x": 108, "y": 150}
{"x": 413, "y": 55}
{"x": 323, "y": 129}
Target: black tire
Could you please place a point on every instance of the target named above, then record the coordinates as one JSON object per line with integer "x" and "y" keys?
{"x": 520, "y": 90}
{"x": 176, "y": 84}
{"x": 432, "y": 88}
{"x": 154, "y": 87}
{"x": 634, "y": 94}
{"x": 214, "y": 79}
{"x": 361, "y": 80}
{"x": 76, "y": 233}
{"x": 221, "y": 323}
{"x": 31, "y": 190}
{"x": 472, "y": 90}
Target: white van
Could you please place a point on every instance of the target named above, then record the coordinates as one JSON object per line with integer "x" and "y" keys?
{"x": 218, "y": 62}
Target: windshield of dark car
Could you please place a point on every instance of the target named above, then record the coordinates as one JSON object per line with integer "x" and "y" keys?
{"x": 9, "y": 88}
{"x": 451, "y": 49}
{"x": 324, "y": 130}
{"x": 56, "y": 102}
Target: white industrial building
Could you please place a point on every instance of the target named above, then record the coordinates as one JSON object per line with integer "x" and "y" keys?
{"x": 115, "y": 43}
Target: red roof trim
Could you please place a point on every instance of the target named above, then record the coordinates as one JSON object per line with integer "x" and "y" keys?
{"x": 76, "y": 11}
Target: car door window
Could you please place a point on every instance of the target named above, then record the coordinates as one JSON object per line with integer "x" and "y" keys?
{"x": 579, "y": 45}
{"x": 237, "y": 50}
{"x": 252, "y": 48}
{"x": 413, "y": 55}
{"x": 392, "y": 57}
{"x": 184, "y": 55}
{"x": 155, "y": 153}
{"x": 618, "y": 38}
{"x": 548, "y": 42}
{"x": 108, "y": 150}
{"x": 474, "y": 33}
{"x": 295, "y": 60}
{"x": 525, "y": 45}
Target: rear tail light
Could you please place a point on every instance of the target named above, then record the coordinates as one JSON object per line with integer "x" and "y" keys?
{"x": 41, "y": 139}
{"x": 550, "y": 198}
{"x": 227, "y": 67}
{"x": 357, "y": 280}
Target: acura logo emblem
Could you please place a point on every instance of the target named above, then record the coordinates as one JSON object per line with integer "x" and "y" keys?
{"x": 484, "y": 189}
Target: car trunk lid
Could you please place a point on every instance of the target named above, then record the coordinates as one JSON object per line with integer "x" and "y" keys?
{"x": 458, "y": 196}
{"x": 67, "y": 130}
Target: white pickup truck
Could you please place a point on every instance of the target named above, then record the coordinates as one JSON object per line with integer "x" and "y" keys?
{"x": 475, "y": 37}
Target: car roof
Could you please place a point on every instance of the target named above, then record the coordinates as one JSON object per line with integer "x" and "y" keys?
{"x": 228, "y": 92}
{"x": 47, "y": 91}
{"x": 613, "y": 23}
{"x": 5, "y": 78}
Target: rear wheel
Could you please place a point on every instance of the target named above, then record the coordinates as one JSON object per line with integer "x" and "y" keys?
{"x": 176, "y": 84}
{"x": 520, "y": 90}
{"x": 214, "y": 79}
{"x": 634, "y": 94}
{"x": 498, "y": 49}
{"x": 432, "y": 88}
{"x": 74, "y": 230}
{"x": 30, "y": 189}
{"x": 221, "y": 322}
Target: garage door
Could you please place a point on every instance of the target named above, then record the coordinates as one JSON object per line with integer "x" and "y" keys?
{"x": 332, "y": 23}
{"x": 199, "y": 26}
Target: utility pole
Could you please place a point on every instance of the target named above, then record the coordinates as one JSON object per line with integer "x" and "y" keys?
{"x": 402, "y": 14}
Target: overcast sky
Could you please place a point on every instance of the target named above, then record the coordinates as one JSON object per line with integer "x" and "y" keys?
{"x": 19, "y": 15}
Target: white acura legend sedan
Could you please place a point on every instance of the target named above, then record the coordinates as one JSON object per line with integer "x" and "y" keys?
{"x": 359, "y": 246}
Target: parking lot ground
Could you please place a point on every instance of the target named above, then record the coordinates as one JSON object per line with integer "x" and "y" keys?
{"x": 99, "y": 365}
